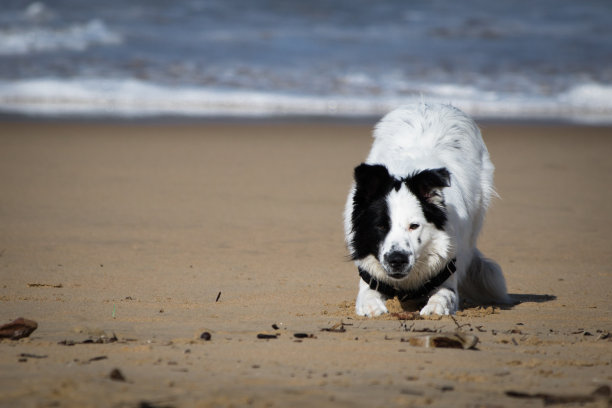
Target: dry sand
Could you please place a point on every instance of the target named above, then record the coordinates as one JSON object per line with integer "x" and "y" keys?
{"x": 134, "y": 230}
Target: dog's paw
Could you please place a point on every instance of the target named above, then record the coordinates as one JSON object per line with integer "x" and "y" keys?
{"x": 444, "y": 302}
{"x": 435, "y": 308}
{"x": 371, "y": 307}
{"x": 369, "y": 303}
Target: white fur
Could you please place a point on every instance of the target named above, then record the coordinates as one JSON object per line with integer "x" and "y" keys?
{"x": 430, "y": 136}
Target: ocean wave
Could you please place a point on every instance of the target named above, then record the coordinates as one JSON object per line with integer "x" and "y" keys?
{"x": 590, "y": 96}
{"x": 587, "y": 103}
{"x": 77, "y": 37}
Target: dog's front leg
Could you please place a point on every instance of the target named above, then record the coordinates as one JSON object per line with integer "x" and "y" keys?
{"x": 444, "y": 301}
{"x": 369, "y": 302}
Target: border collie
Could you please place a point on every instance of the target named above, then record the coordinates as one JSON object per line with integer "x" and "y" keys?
{"x": 415, "y": 210}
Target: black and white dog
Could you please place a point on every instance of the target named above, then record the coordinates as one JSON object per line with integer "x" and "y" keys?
{"x": 415, "y": 210}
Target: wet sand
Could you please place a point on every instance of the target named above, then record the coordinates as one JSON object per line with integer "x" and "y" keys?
{"x": 141, "y": 237}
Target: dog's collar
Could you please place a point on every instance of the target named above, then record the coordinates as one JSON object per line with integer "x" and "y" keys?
{"x": 403, "y": 295}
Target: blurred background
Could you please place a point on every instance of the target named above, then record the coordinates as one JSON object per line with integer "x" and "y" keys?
{"x": 545, "y": 60}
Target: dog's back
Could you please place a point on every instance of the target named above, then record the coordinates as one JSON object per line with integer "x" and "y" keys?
{"x": 425, "y": 136}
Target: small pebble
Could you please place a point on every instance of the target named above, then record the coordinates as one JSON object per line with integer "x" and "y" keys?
{"x": 266, "y": 336}
{"x": 303, "y": 335}
{"x": 116, "y": 375}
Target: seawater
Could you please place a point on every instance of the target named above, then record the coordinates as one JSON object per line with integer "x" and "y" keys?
{"x": 550, "y": 59}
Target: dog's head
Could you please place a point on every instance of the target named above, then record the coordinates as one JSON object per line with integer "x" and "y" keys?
{"x": 397, "y": 220}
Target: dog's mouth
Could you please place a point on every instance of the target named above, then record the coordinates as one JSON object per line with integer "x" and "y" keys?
{"x": 397, "y": 275}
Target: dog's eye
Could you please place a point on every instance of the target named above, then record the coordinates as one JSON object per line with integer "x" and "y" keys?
{"x": 413, "y": 226}
{"x": 382, "y": 227}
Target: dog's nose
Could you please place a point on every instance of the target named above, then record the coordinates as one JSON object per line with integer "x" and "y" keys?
{"x": 397, "y": 260}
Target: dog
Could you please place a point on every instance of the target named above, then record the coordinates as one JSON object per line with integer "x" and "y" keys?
{"x": 414, "y": 212}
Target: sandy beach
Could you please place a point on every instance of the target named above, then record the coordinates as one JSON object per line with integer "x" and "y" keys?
{"x": 126, "y": 242}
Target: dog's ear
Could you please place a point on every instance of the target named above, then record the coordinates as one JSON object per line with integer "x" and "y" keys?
{"x": 372, "y": 181}
{"x": 428, "y": 185}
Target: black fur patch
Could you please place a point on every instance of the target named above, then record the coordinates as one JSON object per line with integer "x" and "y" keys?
{"x": 370, "y": 215}
{"x": 427, "y": 186}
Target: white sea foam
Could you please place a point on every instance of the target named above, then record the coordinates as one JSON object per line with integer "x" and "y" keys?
{"x": 589, "y": 103}
{"x": 590, "y": 96}
{"x": 37, "y": 12}
{"x": 77, "y": 37}
{"x": 137, "y": 98}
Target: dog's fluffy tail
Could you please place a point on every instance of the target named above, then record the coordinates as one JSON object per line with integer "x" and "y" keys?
{"x": 484, "y": 282}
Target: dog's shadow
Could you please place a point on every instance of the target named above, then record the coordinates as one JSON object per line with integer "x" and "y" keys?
{"x": 516, "y": 298}
{"x": 530, "y": 298}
